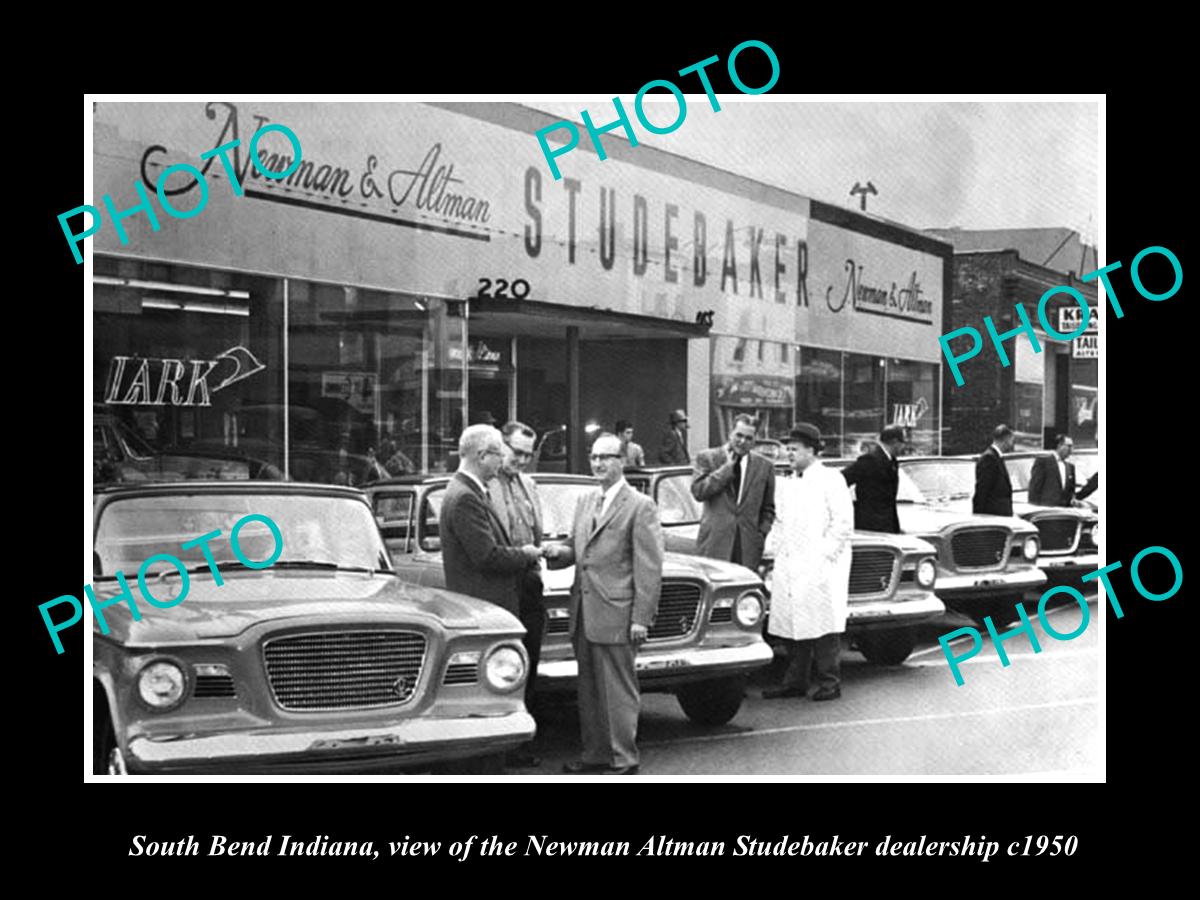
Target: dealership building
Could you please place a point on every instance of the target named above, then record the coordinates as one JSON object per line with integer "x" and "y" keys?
{"x": 420, "y": 268}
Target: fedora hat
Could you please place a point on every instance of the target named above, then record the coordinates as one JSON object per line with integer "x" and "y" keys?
{"x": 807, "y": 434}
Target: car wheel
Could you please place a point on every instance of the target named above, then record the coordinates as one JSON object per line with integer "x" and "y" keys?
{"x": 887, "y": 648}
{"x": 712, "y": 702}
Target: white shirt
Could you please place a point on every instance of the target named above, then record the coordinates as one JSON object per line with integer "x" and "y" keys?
{"x": 885, "y": 452}
{"x": 999, "y": 452}
{"x": 609, "y": 494}
{"x": 1062, "y": 470}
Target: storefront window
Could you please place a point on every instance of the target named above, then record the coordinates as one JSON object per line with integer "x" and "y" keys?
{"x": 187, "y": 373}
{"x": 864, "y": 401}
{"x": 375, "y": 381}
{"x": 912, "y": 401}
{"x": 1085, "y": 402}
{"x": 751, "y": 376}
{"x": 819, "y": 394}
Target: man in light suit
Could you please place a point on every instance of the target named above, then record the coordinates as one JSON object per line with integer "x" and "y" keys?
{"x": 478, "y": 557}
{"x": 1052, "y": 481}
{"x": 737, "y": 488}
{"x": 617, "y": 549}
{"x": 993, "y": 488}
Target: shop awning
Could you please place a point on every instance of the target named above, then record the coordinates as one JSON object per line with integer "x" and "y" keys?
{"x": 540, "y": 319}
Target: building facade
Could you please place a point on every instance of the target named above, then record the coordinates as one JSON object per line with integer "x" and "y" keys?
{"x": 418, "y": 268}
{"x": 1040, "y": 394}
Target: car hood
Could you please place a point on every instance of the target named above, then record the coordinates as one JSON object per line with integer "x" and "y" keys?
{"x": 917, "y": 518}
{"x": 1030, "y": 511}
{"x": 675, "y": 565}
{"x": 245, "y": 599}
{"x": 684, "y": 537}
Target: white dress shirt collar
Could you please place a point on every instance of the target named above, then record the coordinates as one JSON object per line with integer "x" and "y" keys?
{"x": 610, "y": 494}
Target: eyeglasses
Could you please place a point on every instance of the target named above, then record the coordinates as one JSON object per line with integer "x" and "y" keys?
{"x": 519, "y": 454}
{"x": 596, "y": 457}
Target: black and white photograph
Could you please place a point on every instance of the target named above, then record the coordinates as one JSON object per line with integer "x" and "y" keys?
{"x": 689, "y": 434}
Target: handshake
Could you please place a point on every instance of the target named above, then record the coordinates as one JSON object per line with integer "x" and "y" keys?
{"x": 546, "y": 551}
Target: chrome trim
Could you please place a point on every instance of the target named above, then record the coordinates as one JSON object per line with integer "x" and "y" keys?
{"x": 895, "y": 612}
{"x": 1079, "y": 526}
{"x": 897, "y": 568}
{"x": 691, "y": 660}
{"x": 1016, "y": 580}
{"x": 414, "y": 734}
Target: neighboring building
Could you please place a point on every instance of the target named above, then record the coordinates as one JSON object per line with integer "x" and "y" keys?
{"x": 421, "y": 269}
{"x": 1041, "y": 394}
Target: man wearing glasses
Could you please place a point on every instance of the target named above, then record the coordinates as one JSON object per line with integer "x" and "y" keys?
{"x": 617, "y": 549}
{"x": 515, "y": 498}
{"x": 478, "y": 556}
{"x": 673, "y": 450}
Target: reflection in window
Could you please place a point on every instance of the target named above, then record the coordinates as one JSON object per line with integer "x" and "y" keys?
{"x": 819, "y": 393}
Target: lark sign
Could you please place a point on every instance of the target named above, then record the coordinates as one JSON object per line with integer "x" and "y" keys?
{"x": 1087, "y": 345}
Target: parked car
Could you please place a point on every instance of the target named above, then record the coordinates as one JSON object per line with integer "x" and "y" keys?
{"x": 120, "y": 454}
{"x": 985, "y": 563}
{"x": 324, "y": 661}
{"x": 1069, "y": 535}
{"x": 891, "y": 576}
{"x": 1020, "y": 468}
{"x": 705, "y": 638}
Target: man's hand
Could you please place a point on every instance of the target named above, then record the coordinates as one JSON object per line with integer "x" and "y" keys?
{"x": 733, "y": 450}
{"x": 551, "y": 551}
{"x": 638, "y": 633}
{"x": 532, "y": 553}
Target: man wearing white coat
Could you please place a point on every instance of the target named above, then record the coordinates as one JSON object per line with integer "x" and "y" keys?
{"x": 811, "y": 582}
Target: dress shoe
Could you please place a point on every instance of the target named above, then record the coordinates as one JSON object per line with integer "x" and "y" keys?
{"x": 775, "y": 693}
{"x": 521, "y": 758}
{"x": 622, "y": 770}
{"x": 579, "y": 767}
{"x": 827, "y": 694}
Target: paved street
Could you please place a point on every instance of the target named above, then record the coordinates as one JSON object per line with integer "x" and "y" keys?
{"x": 1040, "y": 714}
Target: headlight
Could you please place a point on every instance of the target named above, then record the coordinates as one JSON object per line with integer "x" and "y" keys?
{"x": 1096, "y": 534}
{"x": 749, "y": 609}
{"x": 1030, "y": 548}
{"x": 161, "y": 685}
{"x": 926, "y": 572}
{"x": 505, "y": 668}
{"x": 767, "y": 574}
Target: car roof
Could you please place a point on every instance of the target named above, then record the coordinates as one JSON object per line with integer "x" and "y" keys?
{"x": 153, "y": 488}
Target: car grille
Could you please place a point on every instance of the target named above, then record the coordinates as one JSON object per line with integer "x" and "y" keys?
{"x": 559, "y": 623}
{"x": 980, "y": 548}
{"x": 1086, "y": 544}
{"x": 461, "y": 673}
{"x": 871, "y": 571}
{"x": 678, "y": 607}
{"x": 214, "y": 687}
{"x": 721, "y": 615}
{"x": 1058, "y": 533}
{"x": 344, "y": 670}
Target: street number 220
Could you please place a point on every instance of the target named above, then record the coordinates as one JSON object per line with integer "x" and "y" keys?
{"x": 519, "y": 289}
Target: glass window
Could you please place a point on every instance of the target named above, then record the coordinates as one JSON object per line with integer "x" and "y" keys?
{"x": 819, "y": 394}
{"x": 912, "y": 393}
{"x": 394, "y": 511}
{"x": 676, "y": 505}
{"x": 864, "y": 401}
{"x": 187, "y": 371}
{"x": 1027, "y": 423}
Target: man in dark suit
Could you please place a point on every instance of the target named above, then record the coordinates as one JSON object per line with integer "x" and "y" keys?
{"x": 993, "y": 489}
{"x": 617, "y": 549}
{"x": 876, "y": 479}
{"x": 737, "y": 488}
{"x": 1089, "y": 487}
{"x": 515, "y": 498}
{"x": 477, "y": 555}
{"x": 672, "y": 450}
{"x": 1052, "y": 481}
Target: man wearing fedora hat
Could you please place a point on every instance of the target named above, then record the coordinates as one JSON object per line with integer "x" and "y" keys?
{"x": 811, "y": 582}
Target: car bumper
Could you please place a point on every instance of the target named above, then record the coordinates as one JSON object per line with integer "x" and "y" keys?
{"x": 988, "y": 585}
{"x": 669, "y": 667}
{"x": 1067, "y": 569}
{"x": 400, "y": 745}
{"x": 890, "y": 614}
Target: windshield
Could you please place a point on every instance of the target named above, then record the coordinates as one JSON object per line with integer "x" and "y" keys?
{"x": 936, "y": 481}
{"x": 1019, "y": 471}
{"x": 676, "y": 505}
{"x": 333, "y": 531}
{"x": 1086, "y": 465}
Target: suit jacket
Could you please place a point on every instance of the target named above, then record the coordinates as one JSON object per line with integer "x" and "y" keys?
{"x": 618, "y": 566}
{"x": 993, "y": 489}
{"x": 1090, "y": 487}
{"x": 672, "y": 450}
{"x": 500, "y": 502}
{"x": 876, "y": 478}
{"x": 751, "y": 519}
{"x": 1045, "y": 484}
{"x": 477, "y": 555}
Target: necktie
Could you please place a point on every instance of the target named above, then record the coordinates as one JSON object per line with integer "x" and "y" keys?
{"x": 737, "y": 479}
{"x": 596, "y": 511}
